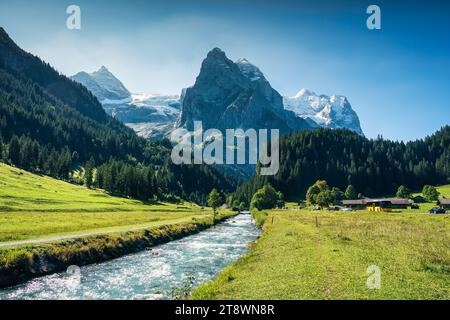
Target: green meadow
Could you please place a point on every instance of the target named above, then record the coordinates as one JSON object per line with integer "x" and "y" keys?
{"x": 326, "y": 255}
{"x": 444, "y": 190}
{"x": 33, "y": 206}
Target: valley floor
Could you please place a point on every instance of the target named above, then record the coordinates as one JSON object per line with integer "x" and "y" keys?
{"x": 299, "y": 257}
{"x": 36, "y": 208}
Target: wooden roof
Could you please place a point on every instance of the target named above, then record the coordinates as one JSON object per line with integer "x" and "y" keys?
{"x": 354, "y": 202}
{"x": 397, "y": 201}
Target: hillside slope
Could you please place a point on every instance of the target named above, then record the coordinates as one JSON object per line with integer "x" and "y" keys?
{"x": 54, "y": 111}
{"x": 33, "y": 206}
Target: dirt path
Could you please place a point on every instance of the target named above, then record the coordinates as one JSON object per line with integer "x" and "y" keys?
{"x": 93, "y": 233}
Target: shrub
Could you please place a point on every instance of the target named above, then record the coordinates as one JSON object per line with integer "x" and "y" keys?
{"x": 267, "y": 198}
{"x": 403, "y": 192}
{"x": 15, "y": 258}
{"x": 430, "y": 193}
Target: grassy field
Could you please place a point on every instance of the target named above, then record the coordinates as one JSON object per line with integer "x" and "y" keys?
{"x": 33, "y": 206}
{"x": 444, "y": 190}
{"x": 299, "y": 257}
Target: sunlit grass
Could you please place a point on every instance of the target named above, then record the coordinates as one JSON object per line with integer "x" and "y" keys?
{"x": 299, "y": 259}
{"x": 444, "y": 191}
{"x": 33, "y": 206}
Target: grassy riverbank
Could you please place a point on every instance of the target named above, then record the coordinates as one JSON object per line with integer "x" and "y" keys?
{"x": 299, "y": 257}
{"x": 33, "y": 206}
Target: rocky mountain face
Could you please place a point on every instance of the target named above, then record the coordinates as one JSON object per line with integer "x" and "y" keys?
{"x": 231, "y": 95}
{"x": 150, "y": 115}
{"x": 326, "y": 111}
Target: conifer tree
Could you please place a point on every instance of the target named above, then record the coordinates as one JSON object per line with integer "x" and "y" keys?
{"x": 14, "y": 151}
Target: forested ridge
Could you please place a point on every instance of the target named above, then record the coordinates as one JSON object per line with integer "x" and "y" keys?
{"x": 375, "y": 167}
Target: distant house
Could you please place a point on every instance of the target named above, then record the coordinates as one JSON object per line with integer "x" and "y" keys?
{"x": 444, "y": 203}
{"x": 418, "y": 199}
{"x": 399, "y": 203}
{"x": 378, "y": 205}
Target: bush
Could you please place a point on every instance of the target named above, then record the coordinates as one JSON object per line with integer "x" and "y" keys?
{"x": 430, "y": 193}
{"x": 267, "y": 198}
{"x": 260, "y": 217}
{"x": 325, "y": 198}
{"x": 403, "y": 192}
{"x": 319, "y": 193}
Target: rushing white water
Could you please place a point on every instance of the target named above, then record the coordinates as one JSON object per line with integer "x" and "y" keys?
{"x": 150, "y": 274}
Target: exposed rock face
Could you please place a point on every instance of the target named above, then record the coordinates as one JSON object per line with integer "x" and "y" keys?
{"x": 329, "y": 112}
{"x": 228, "y": 95}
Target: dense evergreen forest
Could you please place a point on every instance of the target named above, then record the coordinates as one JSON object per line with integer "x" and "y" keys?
{"x": 50, "y": 124}
{"x": 375, "y": 167}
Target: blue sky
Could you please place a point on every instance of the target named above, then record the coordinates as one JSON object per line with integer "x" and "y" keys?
{"x": 396, "y": 78}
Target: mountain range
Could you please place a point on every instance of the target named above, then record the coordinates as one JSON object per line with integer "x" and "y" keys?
{"x": 226, "y": 94}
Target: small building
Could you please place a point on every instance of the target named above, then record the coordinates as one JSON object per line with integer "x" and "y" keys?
{"x": 358, "y": 204}
{"x": 387, "y": 204}
{"x": 379, "y": 205}
{"x": 444, "y": 203}
{"x": 398, "y": 203}
{"x": 418, "y": 199}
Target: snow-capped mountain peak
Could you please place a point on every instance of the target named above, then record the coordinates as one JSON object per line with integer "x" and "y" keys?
{"x": 327, "y": 111}
{"x": 103, "y": 69}
{"x": 104, "y": 85}
{"x": 150, "y": 115}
